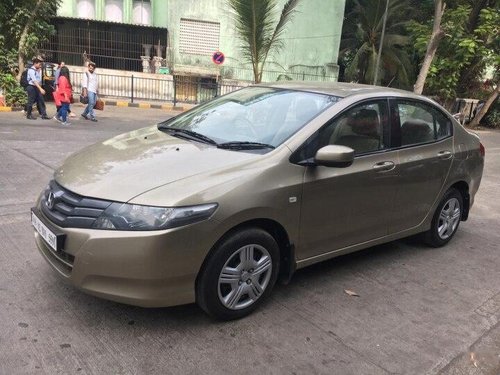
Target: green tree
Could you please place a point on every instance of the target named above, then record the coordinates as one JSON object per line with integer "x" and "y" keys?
{"x": 432, "y": 45}
{"x": 255, "y": 25}
{"x": 23, "y": 25}
{"x": 470, "y": 42}
{"x": 361, "y": 34}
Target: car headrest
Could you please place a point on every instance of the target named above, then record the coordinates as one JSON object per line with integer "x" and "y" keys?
{"x": 416, "y": 127}
{"x": 365, "y": 122}
{"x": 415, "y": 131}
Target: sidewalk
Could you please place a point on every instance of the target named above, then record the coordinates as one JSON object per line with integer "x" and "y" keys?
{"x": 123, "y": 103}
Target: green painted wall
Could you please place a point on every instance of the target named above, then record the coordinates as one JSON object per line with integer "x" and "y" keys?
{"x": 311, "y": 41}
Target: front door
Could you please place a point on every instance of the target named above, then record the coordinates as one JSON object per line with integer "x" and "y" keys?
{"x": 347, "y": 206}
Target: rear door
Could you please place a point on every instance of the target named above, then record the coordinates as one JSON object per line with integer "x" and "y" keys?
{"x": 423, "y": 136}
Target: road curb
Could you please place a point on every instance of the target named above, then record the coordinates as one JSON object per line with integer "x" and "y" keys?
{"x": 166, "y": 107}
{"x": 10, "y": 109}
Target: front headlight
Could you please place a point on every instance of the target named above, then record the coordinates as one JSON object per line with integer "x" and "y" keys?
{"x": 123, "y": 216}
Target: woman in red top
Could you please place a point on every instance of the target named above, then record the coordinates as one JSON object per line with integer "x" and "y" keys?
{"x": 65, "y": 91}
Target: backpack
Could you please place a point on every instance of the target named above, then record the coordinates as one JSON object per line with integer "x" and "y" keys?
{"x": 24, "y": 79}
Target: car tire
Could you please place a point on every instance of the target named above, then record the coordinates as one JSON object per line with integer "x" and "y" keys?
{"x": 238, "y": 275}
{"x": 446, "y": 219}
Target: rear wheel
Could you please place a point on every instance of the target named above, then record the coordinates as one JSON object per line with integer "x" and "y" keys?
{"x": 446, "y": 219}
{"x": 238, "y": 275}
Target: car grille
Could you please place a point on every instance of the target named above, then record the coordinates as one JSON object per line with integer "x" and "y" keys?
{"x": 69, "y": 210}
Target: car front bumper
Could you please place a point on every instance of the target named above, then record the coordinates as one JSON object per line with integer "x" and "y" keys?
{"x": 148, "y": 269}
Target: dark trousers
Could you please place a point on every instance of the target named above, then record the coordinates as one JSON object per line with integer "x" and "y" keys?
{"x": 34, "y": 96}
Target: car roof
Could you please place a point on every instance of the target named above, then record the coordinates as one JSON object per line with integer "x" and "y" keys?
{"x": 340, "y": 89}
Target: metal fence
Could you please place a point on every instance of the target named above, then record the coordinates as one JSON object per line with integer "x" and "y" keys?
{"x": 130, "y": 87}
{"x": 183, "y": 88}
{"x": 464, "y": 109}
{"x": 174, "y": 89}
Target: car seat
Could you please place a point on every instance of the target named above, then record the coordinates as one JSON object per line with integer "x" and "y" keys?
{"x": 361, "y": 132}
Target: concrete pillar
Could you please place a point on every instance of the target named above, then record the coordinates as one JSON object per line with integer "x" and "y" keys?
{"x": 146, "y": 64}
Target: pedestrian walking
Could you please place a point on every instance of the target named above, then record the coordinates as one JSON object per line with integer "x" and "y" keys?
{"x": 57, "y": 73}
{"x": 35, "y": 90}
{"x": 56, "y": 84}
{"x": 63, "y": 95}
{"x": 89, "y": 89}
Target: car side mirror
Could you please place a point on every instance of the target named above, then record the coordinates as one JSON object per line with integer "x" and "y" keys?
{"x": 334, "y": 156}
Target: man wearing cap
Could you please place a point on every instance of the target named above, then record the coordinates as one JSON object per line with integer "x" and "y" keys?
{"x": 35, "y": 90}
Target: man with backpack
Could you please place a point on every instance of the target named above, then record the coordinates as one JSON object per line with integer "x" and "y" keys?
{"x": 35, "y": 90}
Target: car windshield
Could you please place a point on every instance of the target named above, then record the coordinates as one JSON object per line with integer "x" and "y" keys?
{"x": 251, "y": 117}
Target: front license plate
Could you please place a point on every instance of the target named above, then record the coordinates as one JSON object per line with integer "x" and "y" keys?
{"x": 49, "y": 236}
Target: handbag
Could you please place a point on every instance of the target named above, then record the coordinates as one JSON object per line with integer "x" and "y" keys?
{"x": 84, "y": 99}
{"x": 99, "y": 105}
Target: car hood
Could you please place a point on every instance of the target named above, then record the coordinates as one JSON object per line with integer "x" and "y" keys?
{"x": 130, "y": 164}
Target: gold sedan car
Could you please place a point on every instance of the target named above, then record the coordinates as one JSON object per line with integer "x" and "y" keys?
{"x": 217, "y": 204}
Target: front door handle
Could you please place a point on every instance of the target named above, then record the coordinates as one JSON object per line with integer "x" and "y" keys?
{"x": 384, "y": 166}
{"x": 444, "y": 155}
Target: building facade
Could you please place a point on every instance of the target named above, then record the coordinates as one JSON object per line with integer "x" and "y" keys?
{"x": 181, "y": 37}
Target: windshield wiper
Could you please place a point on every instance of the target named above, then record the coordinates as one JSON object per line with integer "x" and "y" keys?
{"x": 187, "y": 134}
{"x": 244, "y": 145}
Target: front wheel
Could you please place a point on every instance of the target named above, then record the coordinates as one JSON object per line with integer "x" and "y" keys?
{"x": 238, "y": 275}
{"x": 446, "y": 219}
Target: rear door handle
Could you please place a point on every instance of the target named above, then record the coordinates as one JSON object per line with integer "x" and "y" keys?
{"x": 384, "y": 166}
{"x": 444, "y": 154}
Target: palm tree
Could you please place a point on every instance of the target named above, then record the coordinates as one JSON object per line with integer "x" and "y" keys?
{"x": 254, "y": 20}
{"x": 361, "y": 38}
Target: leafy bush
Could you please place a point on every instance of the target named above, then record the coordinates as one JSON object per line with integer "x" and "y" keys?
{"x": 492, "y": 118}
{"x": 14, "y": 94}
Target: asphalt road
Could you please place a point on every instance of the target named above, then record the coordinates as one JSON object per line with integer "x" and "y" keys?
{"x": 419, "y": 310}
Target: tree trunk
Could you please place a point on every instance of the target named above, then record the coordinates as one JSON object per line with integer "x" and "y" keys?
{"x": 479, "y": 116}
{"x": 474, "y": 68}
{"x": 432, "y": 45}
{"x": 21, "y": 57}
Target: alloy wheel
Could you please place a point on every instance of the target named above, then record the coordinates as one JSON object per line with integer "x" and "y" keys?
{"x": 449, "y": 218}
{"x": 244, "y": 277}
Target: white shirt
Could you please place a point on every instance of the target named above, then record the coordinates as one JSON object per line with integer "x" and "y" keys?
{"x": 34, "y": 76}
{"x": 89, "y": 81}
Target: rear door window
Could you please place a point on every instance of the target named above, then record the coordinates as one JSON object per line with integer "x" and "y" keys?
{"x": 418, "y": 123}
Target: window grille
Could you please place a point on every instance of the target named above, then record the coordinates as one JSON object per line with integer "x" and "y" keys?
{"x": 199, "y": 37}
{"x": 110, "y": 45}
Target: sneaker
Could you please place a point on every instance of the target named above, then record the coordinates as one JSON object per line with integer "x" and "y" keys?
{"x": 31, "y": 117}
{"x": 85, "y": 117}
{"x": 93, "y": 119}
{"x": 66, "y": 123}
{"x": 57, "y": 118}
{"x": 45, "y": 117}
